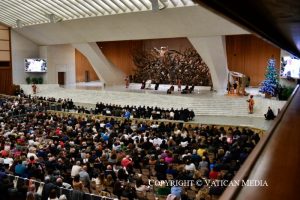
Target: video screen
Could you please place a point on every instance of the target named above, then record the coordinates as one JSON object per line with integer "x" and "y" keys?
{"x": 290, "y": 67}
{"x": 35, "y": 65}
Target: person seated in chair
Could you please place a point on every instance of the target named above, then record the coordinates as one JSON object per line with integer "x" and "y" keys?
{"x": 185, "y": 90}
{"x": 156, "y": 85}
{"x": 148, "y": 84}
{"x": 186, "y": 87}
{"x": 170, "y": 90}
{"x": 191, "y": 89}
{"x": 270, "y": 114}
{"x": 143, "y": 85}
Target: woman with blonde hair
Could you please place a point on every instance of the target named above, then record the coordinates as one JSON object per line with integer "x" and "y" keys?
{"x": 77, "y": 184}
{"x": 108, "y": 182}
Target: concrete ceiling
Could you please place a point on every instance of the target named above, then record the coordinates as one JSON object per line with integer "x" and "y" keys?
{"x": 191, "y": 21}
{"x": 276, "y": 20}
{"x": 17, "y": 13}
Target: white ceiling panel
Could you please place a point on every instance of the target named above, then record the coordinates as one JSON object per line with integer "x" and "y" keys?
{"x": 31, "y": 12}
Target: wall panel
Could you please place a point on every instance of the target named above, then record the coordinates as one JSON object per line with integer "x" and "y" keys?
{"x": 249, "y": 55}
{"x": 178, "y": 44}
{"x": 120, "y": 53}
{"x": 5, "y": 61}
{"x": 5, "y": 80}
{"x": 5, "y": 55}
{"x": 4, "y": 45}
{"x": 82, "y": 65}
{"x": 4, "y": 34}
{"x": 2, "y": 26}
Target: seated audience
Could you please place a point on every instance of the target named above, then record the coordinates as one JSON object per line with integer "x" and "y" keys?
{"x": 73, "y": 150}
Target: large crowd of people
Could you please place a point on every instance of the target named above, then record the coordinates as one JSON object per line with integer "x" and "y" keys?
{"x": 113, "y": 157}
{"x": 144, "y": 112}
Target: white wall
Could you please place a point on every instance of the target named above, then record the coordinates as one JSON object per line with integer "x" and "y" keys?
{"x": 22, "y": 48}
{"x": 213, "y": 52}
{"x": 60, "y": 58}
{"x": 106, "y": 71}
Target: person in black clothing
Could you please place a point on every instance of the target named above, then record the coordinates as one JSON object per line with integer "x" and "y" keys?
{"x": 156, "y": 85}
{"x": 48, "y": 187}
{"x": 129, "y": 192}
{"x": 185, "y": 90}
{"x": 170, "y": 90}
{"x": 160, "y": 169}
{"x": 5, "y": 184}
{"x": 191, "y": 115}
{"x": 143, "y": 85}
{"x": 122, "y": 175}
{"x": 163, "y": 145}
{"x": 147, "y": 145}
{"x": 191, "y": 89}
{"x": 117, "y": 189}
{"x": 110, "y": 171}
{"x": 270, "y": 114}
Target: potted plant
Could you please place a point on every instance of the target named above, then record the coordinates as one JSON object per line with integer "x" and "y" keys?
{"x": 285, "y": 92}
{"x": 28, "y": 80}
{"x": 34, "y": 80}
{"x": 40, "y": 80}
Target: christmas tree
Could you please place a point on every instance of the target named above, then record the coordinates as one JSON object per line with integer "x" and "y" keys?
{"x": 270, "y": 84}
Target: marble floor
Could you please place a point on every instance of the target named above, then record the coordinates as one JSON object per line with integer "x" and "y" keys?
{"x": 209, "y": 107}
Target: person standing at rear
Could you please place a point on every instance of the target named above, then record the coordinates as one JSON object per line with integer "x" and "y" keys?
{"x": 34, "y": 88}
{"x": 251, "y": 104}
{"x": 179, "y": 84}
{"x": 127, "y": 81}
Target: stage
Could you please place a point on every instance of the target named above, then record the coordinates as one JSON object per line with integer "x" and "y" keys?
{"x": 207, "y": 105}
{"x": 136, "y": 88}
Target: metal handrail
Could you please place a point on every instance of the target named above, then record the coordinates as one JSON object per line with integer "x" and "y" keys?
{"x": 43, "y": 183}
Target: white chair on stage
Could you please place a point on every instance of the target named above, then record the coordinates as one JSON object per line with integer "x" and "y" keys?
{"x": 148, "y": 84}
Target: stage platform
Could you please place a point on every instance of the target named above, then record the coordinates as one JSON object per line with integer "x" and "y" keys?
{"x": 205, "y": 103}
{"x": 134, "y": 87}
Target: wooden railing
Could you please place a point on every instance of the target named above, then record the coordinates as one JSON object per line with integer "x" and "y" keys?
{"x": 149, "y": 121}
{"x": 268, "y": 159}
{"x": 193, "y": 124}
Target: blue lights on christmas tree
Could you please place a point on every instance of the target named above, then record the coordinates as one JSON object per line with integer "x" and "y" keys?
{"x": 270, "y": 84}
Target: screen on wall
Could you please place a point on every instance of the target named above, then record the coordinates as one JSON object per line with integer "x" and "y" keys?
{"x": 290, "y": 67}
{"x": 35, "y": 65}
